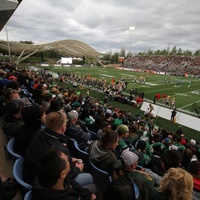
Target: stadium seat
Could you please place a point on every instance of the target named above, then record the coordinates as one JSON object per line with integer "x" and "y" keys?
{"x": 101, "y": 178}
{"x": 10, "y": 149}
{"x": 93, "y": 134}
{"x": 78, "y": 153}
{"x": 18, "y": 173}
{"x": 28, "y": 196}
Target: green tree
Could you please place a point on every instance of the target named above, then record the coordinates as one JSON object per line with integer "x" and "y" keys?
{"x": 197, "y": 53}
{"x": 173, "y": 51}
{"x": 27, "y": 42}
{"x": 123, "y": 53}
{"x": 115, "y": 57}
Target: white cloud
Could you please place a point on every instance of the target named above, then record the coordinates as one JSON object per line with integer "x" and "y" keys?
{"x": 104, "y": 24}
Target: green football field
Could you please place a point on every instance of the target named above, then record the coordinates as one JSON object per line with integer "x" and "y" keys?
{"x": 185, "y": 90}
{"x": 185, "y": 96}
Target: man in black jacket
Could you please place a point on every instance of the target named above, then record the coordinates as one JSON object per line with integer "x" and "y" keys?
{"x": 53, "y": 181}
{"x": 44, "y": 140}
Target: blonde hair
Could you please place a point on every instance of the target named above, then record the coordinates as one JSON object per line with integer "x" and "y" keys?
{"x": 55, "y": 120}
{"x": 178, "y": 183}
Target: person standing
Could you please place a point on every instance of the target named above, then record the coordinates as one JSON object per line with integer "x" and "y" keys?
{"x": 173, "y": 115}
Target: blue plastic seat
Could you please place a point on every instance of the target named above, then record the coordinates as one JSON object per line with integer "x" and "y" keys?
{"x": 101, "y": 178}
{"x": 93, "y": 135}
{"x": 75, "y": 151}
{"x": 11, "y": 150}
{"x": 18, "y": 173}
{"x": 28, "y": 196}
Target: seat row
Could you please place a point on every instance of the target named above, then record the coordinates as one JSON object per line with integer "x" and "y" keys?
{"x": 100, "y": 177}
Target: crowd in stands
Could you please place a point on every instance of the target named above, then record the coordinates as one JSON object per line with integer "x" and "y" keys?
{"x": 179, "y": 65}
{"x": 144, "y": 159}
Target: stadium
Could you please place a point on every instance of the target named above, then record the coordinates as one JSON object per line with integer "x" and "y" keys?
{"x": 154, "y": 98}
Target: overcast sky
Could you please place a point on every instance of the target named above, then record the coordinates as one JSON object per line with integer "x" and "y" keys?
{"x": 104, "y": 24}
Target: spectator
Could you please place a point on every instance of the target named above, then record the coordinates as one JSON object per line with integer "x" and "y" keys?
{"x": 75, "y": 131}
{"x": 8, "y": 95}
{"x": 175, "y": 184}
{"x": 106, "y": 126}
{"x": 33, "y": 117}
{"x": 101, "y": 152}
{"x": 52, "y": 137}
{"x": 53, "y": 181}
{"x": 55, "y": 106}
{"x": 123, "y": 132}
{"x": 127, "y": 167}
{"x": 122, "y": 189}
{"x": 172, "y": 158}
{"x": 194, "y": 170}
{"x": 12, "y": 122}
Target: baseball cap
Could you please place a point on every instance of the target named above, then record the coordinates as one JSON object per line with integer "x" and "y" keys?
{"x": 76, "y": 104}
{"x": 193, "y": 142}
{"x": 129, "y": 157}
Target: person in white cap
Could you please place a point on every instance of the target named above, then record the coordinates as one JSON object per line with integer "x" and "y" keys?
{"x": 129, "y": 163}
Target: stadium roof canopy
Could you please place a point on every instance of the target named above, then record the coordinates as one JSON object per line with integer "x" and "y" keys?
{"x": 7, "y": 8}
{"x": 64, "y": 47}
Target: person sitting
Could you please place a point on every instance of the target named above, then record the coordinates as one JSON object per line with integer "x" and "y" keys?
{"x": 123, "y": 132}
{"x": 101, "y": 152}
{"x": 8, "y": 95}
{"x": 122, "y": 189}
{"x": 175, "y": 184}
{"x": 171, "y": 158}
{"x": 127, "y": 166}
{"x": 55, "y": 105}
{"x": 194, "y": 170}
{"x": 33, "y": 117}
{"x": 8, "y": 187}
{"x": 106, "y": 126}
{"x": 12, "y": 121}
{"x": 75, "y": 131}
{"x": 52, "y": 136}
{"x": 53, "y": 180}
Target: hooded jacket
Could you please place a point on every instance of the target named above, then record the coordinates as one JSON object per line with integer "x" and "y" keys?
{"x": 11, "y": 125}
{"x": 32, "y": 119}
{"x": 104, "y": 158}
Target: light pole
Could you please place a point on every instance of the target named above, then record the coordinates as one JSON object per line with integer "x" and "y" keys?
{"x": 110, "y": 56}
{"x": 8, "y": 44}
{"x": 131, "y": 29}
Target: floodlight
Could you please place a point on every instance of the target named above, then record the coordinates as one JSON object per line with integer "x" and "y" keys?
{"x": 131, "y": 28}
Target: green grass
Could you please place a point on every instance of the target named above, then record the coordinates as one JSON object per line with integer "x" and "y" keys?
{"x": 183, "y": 94}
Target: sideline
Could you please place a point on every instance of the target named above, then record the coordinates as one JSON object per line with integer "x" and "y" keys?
{"x": 181, "y": 118}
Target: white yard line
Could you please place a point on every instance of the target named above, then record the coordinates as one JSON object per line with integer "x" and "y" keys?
{"x": 105, "y": 75}
{"x": 100, "y": 70}
{"x": 190, "y": 104}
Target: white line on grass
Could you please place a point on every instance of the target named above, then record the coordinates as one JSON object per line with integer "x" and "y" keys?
{"x": 190, "y": 104}
{"x": 106, "y": 75}
{"x": 99, "y": 70}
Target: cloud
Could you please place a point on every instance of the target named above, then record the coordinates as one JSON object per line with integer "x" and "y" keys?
{"x": 104, "y": 24}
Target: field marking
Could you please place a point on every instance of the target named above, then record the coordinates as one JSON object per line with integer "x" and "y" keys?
{"x": 128, "y": 75}
{"x": 106, "y": 75}
{"x": 190, "y": 104}
{"x": 100, "y": 70}
{"x": 152, "y": 84}
{"x": 160, "y": 90}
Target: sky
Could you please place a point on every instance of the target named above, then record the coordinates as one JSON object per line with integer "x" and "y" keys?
{"x": 105, "y": 24}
